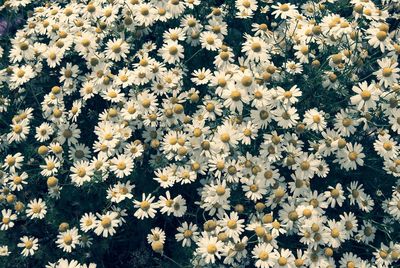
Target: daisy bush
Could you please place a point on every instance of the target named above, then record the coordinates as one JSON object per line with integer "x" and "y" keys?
{"x": 188, "y": 133}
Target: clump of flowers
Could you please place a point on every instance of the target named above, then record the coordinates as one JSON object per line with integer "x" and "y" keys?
{"x": 246, "y": 133}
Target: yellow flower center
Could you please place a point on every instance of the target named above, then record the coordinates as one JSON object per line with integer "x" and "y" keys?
{"x": 260, "y": 231}
{"x": 187, "y": 233}
{"x": 282, "y": 261}
{"x": 304, "y": 50}
{"x": 307, "y": 213}
{"x": 348, "y": 225}
{"x": 387, "y": 146}
{"x": 211, "y": 249}
{"x": 220, "y": 190}
{"x": 20, "y": 73}
{"x": 17, "y": 129}
{"x": 210, "y": 107}
{"x": 315, "y": 227}
{"x": 276, "y": 225}
{"x": 224, "y": 55}
{"x": 169, "y": 203}
{"x": 52, "y": 56}
{"x": 258, "y": 95}
{"x": 144, "y": 11}
{"x": 256, "y": 47}
{"x": 350, "y": 264}
{"x": 387, "y": 71}
{"x": 247, "y": 81}
{"x": 293, "y": 216}
{"x": 225, "y": 137}
{"x": 305, "y": 165}
{"x": 316, "y": 119}
{"x": 381, "y": 35}
{"x": 263, "y": 256}
{"x": 247, "y": 132}
{"x": 246, "y": 3}
{"x": 50, "y": 165}
{"x": 383, "y": 254}
{"x": 145, "y": 205}
{"x": 81, "y": 172}
{"x": 210, "y": 40}
{"x": 68, "y": 239}
{"x": 365, "y": 95}
{"x": 173, "y": 50}
{"x": 347, "y": 122}
{"x": 88, "y": 222}
{"x": 235, "y": 95}
{"x": 85, "y": 42}
{"x": 17, "y": 180}
{"x": 335, "y": 232}
{"x": 353, "y": 156}
{"x": 28, "y": 244}
{"x": 231, "y": 224}
{"x": 335, "y": 193}
{"x": 106, "y": 222}
{"x": 112, "y": 94}
{"x": 284, "y": 7}
{"x": 299, "y": 262}
{"x": 121, "y": 165}
{"x": 285, "y": 115}
{"x": 108, "y": 12}
{"x": 253, "y": 188}
{"x": 36, "y": 208}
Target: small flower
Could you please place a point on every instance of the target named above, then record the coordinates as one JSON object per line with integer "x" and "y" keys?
{"x": 106, "y": 224}
{"x": 209, "y": 248}
{"x": 68, "y": 240}
{"x": 8, "y": 219}
{"x": 4, "y": 251}
{"x": 187, "y": 233}
{"x": 145, "y": 208}
{"x": 36, "y": 209}
{"x": 29, "y": 245}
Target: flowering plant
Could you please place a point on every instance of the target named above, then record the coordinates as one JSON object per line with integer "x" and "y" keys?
{"x": 188, "y": 133}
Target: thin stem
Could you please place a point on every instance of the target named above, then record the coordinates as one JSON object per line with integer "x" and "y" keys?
{"x": 171, "y": 260}
{"x": 197, "y": 52}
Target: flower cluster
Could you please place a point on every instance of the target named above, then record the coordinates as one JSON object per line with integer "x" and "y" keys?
{"x": 250, "y": 133}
